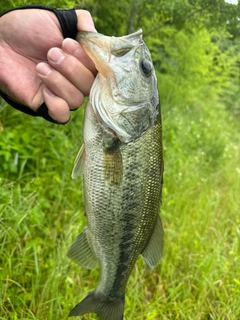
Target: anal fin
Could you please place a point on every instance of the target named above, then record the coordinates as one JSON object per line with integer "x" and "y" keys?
{"x": 154, "y": 249}
{"x": 82, "y": 253}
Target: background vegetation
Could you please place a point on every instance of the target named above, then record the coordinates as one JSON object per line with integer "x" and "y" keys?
{"x": 195, "y": 48}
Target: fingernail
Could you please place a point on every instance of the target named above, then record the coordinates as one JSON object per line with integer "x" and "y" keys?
{"x": 70, "y": 46}
{"x": 43, "y": 68}
{"x": 55, "y": 55}
{"x": 91, "y": 27}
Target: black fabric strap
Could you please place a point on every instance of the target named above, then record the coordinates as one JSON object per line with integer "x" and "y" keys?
{"x": 68, "y": 21}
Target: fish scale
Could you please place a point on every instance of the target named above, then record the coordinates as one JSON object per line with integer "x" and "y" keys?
{"x": 122, "y": 183}
{"x": 122, "y": 205}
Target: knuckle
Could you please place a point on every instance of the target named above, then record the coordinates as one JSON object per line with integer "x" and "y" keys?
{"x": 77, "y": 101}
{"x": 54, "y": 79}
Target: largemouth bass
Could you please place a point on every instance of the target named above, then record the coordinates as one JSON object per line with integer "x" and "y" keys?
{"x": 122, "y": 165}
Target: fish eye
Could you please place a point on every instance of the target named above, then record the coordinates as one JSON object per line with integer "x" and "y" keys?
{"x": 146, "y": 67}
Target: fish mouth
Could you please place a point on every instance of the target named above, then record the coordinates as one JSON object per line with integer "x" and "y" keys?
{"x": 101, "y": 48}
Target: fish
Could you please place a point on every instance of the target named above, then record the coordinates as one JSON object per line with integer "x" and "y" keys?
{"x": 121, "y": 160}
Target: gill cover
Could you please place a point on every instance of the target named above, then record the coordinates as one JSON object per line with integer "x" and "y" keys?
{"x": 124, "y": 95}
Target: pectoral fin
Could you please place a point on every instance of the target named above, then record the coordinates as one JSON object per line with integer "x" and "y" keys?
{"x": 113, "y": 169}
{"x": 154, "y": 249}
{"x": 82, "y": 253}
{"x": 79, "y": 163}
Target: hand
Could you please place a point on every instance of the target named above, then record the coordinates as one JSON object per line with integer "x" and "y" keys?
{"x": 37, "y": 65}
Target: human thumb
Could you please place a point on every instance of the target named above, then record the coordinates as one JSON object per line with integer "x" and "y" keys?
{"x": 85, "y": 21}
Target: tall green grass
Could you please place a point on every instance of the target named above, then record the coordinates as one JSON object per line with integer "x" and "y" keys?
{"x": 42, "y": 211}
{"x": 42, "y": 208}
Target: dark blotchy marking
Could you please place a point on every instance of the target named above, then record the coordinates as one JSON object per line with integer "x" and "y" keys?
{"x": 110, "y": 144}
{"x": 110, "y": 141}
{"x": 129, "y": 205}
{"x": 113, "y": 168}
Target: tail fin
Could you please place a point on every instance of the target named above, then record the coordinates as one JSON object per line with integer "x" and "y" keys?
{"x": 105, "y": 308}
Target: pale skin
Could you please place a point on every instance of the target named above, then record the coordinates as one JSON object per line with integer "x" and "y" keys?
{"x": 37, "y": 65}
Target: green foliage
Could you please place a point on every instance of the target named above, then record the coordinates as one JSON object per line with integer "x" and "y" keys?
{"x": 196, "y": 57}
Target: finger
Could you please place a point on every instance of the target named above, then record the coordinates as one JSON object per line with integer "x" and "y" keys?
{"x": 72, "y": 69}
{"x": 59, "y": 85}
{"x": 73, "y": 48}
{"x": 85, "y": 21}
{"x": 58, "y": 108}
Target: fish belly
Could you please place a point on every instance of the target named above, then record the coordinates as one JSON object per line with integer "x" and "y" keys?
{"x": 122, "y": 212}
{"x": 121, "y": 216}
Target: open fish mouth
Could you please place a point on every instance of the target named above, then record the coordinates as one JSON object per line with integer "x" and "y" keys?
{"x": 101, "y": 48}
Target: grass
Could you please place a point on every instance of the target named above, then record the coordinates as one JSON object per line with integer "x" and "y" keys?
{"x": 42, "y": 211}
